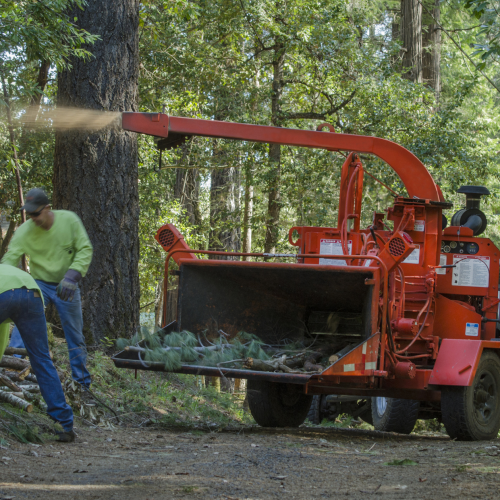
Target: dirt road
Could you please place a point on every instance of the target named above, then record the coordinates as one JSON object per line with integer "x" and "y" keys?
{"x": 252, "y": 464}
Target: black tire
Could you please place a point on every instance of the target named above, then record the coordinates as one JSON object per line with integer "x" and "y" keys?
{"x": 314, "y": 414}
{"x": 259, "y": 403}
{"x": 396, "y": 415}
{"x": 473, "y": 413}
{"x": 277, "y": 405}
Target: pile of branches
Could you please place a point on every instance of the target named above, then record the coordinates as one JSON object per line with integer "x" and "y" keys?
{"x": 18, "y": 386}
{"x": 244, "y": 351}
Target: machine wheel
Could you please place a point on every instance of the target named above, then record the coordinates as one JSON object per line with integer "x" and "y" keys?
{"x": 473, "y": 413}
{"x": 315, "y": 414}
{"x": 277, "y": 405}
{"x": 394, "y": 414}
{"x": 259, "y": 403}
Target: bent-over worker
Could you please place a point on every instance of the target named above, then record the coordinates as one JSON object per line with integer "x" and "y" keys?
{"x": 21, "y": 302}
{"x": 60, "y": 253}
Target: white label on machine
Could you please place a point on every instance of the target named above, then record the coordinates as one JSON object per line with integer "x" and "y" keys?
{"x": 471, "y": 271}
{"x": 472, "y": 329}
{"x": 442, "y": 262}
{"x": 333, "y": 247}
{"x": 419, "y": 226}
{"x": 414, "y": 257}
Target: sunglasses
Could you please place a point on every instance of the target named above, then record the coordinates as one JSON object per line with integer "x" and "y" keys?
{"x": 34, "y": 214}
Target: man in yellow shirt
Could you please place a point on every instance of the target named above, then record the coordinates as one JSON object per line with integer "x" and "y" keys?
{"x": 21, "y": 302}
{"x": 60, "y": 253}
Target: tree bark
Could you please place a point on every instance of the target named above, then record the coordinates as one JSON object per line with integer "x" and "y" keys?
{"x": 36, "y": 100}
{"x": 411, "y": 36}
{"x": 7, "y": 397}
{"x": 96, "y": 174}
{"x": 274, "y": 203}
{"x": 247, "y": 215}
{"x": 8, "y": 237}
{"x": 187, "y": 186}
{"x": 431, "y": 43}
{"x": 225, "y": 233}
{"x": 14, "y": 363}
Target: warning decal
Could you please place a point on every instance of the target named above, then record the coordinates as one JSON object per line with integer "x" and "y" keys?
{"x": 419, "y": 226}
{"x": 472, "y": 329}
{"x": 414, "y": 257}
{"x": 442, "y": 262}
{"x": 333, "y": 247}
{"x": 471, "y": 271}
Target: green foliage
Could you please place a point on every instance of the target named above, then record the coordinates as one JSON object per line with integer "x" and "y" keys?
{"x": 487, "y": 44}
{"x": 177, "y": 348}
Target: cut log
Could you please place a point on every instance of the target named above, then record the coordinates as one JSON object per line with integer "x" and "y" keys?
{"x": 10, "y": 351}
{"x": 310, "y": 367}
{"x": 25, "y": 372}
{"x": 5, "y": 381}
{"x": 14, "y": 363}
{"x": 15, "y": 401}
{"x": 271, "y": 365}
{"x": 30, "y": 388}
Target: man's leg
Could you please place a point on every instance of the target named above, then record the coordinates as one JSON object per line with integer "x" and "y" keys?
{"x": 16, "y": 340}
{"x": 72, "y": 324}
{"x": 15, "y": 337}
{"x": 29, "y": 317}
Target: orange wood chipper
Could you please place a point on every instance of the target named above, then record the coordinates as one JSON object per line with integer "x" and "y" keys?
{"x": 418, "y": 300}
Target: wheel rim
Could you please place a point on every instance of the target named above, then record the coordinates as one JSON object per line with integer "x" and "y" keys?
{"x": 486, "y": 398}
{"x": 380, "y": 405}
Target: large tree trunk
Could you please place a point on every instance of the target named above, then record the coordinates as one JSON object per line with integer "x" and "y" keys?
{"x": 431, "y": 43}
{"x": 274, "y": 200}
{"x": 411, "y": 36}
{"x": 247, "y": 216}
{"x": 225, "y": 231}
{"x": 95, "y": 174}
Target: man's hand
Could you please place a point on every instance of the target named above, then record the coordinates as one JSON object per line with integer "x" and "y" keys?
{"x": 68, "y": 285}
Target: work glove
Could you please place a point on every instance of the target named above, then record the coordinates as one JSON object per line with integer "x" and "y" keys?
{"x": 68, "y": 285}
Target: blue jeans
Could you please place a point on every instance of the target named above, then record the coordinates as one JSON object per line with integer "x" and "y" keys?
{"x": 26, "y": 311}
{"x": 72, "y": 323}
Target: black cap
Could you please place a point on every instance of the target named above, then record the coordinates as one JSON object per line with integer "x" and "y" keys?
{"x": 35, "y": 198}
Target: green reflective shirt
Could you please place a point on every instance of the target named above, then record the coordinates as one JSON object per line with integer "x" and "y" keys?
{"x": 64, "y": 246}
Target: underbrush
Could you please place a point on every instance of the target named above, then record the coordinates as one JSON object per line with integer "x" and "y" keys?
{"x": 129, "y": 398}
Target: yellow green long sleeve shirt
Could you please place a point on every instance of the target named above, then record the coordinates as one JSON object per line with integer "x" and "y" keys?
{"x": 10, "y": 279}
{"x": 64, "y": 246}
{"x": 4, "y": 337}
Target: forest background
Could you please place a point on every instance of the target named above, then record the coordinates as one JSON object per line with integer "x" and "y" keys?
{"x": 422, "y": 73}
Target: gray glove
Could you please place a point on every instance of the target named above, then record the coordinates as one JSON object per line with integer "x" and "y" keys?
{"x": 68, "y": 285}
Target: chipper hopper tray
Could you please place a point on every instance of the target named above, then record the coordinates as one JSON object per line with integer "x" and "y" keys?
{"x": 281, "y": 304}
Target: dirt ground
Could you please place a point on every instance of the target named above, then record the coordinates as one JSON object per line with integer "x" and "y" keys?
{"x": 252, "y": 464}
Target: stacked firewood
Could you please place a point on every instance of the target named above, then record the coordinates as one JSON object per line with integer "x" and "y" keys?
{"x": 18, "y": 386}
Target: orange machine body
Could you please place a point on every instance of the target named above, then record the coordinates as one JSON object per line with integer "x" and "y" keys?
{"x": 424, "y": 325}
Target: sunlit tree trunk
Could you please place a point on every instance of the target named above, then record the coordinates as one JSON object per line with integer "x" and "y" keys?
{"x": 431, "y": 42}
{"x": 274, "y": 176}
{"x": 247, "y": 216}
{"x": 96, "y": 175}
{"x": 411, "y": 37}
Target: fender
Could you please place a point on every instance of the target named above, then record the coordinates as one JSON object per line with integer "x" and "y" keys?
{"x": 457, "y": 361}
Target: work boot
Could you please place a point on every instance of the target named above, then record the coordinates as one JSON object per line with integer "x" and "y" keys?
{"x": 66, "y": 436}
